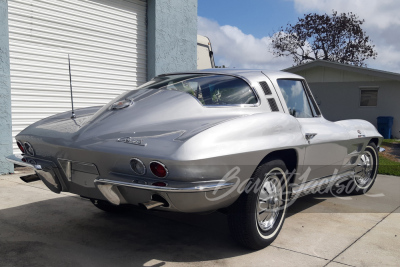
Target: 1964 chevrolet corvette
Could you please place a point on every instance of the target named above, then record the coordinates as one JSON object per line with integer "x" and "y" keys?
{"x": 248, "y": 142}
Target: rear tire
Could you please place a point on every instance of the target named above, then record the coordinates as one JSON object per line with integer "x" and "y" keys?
{"x": 256, "y": 218}
{"x": 365, "y": 173}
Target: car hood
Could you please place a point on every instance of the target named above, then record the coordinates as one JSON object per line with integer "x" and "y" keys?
{"x": 162, "y": 114}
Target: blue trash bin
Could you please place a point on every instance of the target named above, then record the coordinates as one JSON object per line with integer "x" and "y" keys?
{"x": 385, "y": 124}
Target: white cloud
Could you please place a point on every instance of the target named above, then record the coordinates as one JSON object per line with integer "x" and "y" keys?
{"x": 233, "y": 48}
{"x": 382, "y": 22}
{"x": 388, "y": 58}
{"x": 296, "y": 89}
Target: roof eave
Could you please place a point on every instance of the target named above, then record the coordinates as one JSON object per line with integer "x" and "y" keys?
{"x": 347, "y": 67}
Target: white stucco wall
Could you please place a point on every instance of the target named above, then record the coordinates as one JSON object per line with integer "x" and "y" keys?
{"x": 341, "y": 100}
{"x": 5, "y": 93}
{"x": 327, "y": 74}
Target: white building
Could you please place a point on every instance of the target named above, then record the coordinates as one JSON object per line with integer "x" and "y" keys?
{"x": 347, "y": 92}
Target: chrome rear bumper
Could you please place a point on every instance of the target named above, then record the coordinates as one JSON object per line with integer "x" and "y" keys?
{"x": 17, "y": 159}
{"x": 122, "y": 189}
{"x": 166, "y": 189}
{"x": 46, "y": 170}
{"x": 198, "y": 198}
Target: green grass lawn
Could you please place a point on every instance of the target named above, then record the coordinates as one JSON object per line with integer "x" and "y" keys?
{"x": 386, "y": 164}
{"x": 386, "y": 142}
{"x": 389, "y": 167}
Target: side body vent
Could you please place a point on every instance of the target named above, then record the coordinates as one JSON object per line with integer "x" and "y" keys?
{"x": 272, "y": 104}
{"x": 266, "y": 89}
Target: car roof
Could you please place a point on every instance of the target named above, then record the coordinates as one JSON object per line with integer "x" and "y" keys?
{"x": 242, "y": 72}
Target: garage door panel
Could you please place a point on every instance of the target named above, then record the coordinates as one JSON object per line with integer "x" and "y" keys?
{"x": 106, "y": 40}
{"x": 87, "y": 10}
{"x": 60, "y": 96}
{"x": 77, "y": 23}
{"x": 83, "y": 86}
{"x": 71, "y": 44}
{"x": 28, "y": 61}
{"x": 78, "y": 70}
{"x": 61, "y": 74}
{"x": 20, "y": 51}
{"x": 96, "y": 93}
{"x": 44, "y": 30}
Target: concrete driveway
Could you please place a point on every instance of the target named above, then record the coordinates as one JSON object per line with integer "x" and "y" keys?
{"x": 40, "y": 228}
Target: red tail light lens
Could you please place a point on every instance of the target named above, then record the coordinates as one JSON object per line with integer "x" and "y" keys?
{"x": 20, "y": 146}
{"x": 159, "y": 184}
{"x": 158, "y": 169}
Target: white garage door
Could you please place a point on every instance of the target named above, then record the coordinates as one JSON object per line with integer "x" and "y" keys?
{"x": 106, "y": 40}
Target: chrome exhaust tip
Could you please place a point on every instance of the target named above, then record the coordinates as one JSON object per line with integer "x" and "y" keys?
{"x": 151, "y": 204}
{"x": 30, "y": 178}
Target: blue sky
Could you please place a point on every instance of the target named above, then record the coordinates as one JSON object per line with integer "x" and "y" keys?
{"x": 259, "y": 17}
{"x": 240, "y": 31}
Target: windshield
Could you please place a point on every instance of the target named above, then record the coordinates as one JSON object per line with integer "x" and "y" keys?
{"x": 208, "y": 89}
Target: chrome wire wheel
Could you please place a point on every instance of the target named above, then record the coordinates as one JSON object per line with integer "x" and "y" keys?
{"x": 365, "y": 173}
{"x": 256, "y": 218}
{"x": 269, "y": 200}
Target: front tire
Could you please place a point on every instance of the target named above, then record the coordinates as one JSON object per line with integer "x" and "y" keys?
{"x": 256, "y": 218}
{"x": 365, "y": 172}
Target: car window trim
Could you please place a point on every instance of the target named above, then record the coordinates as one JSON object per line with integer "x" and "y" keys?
{"x": 227, "y": 105}
{"x": 315, "y": 111}
{"x": 312, "y": 99}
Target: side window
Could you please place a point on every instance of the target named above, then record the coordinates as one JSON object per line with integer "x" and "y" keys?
{"x": 296, "y": 98}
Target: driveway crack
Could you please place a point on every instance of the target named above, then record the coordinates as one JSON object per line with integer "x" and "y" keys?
{"x": 299, "y": 252}
{"x": 355, "y": 241}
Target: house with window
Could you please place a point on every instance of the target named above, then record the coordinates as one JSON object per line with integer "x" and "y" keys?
{"x": 348, "y": 92}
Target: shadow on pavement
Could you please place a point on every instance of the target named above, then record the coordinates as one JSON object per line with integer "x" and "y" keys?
{"x": 72, "y": 229}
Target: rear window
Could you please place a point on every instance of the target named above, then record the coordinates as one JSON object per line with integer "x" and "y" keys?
{"x": 210, "y": 90}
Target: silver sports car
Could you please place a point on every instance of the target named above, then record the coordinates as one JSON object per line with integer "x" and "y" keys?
{"x": 247, "y": 142}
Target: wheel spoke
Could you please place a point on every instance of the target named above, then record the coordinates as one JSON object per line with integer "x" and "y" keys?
{"x": 264, "y": 216}
{"x": 268, "y": 188}
{"x": 262, "y": 206}
{"x": 269, "y": 201}
{"x": 364, "y": 176}
{"x": 263, "y": 194}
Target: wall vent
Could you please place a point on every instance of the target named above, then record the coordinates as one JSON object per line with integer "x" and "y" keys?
{"x": 266, "y": 89}
{"x": 272, "y": 104}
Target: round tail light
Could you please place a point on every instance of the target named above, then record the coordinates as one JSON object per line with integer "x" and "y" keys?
{"x": 158, "y": 169}
{"x": 20, "y": 146}
{"x": 138, "y": 166}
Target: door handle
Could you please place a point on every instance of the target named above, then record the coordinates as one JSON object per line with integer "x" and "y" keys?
{"x": 310, "y": 136}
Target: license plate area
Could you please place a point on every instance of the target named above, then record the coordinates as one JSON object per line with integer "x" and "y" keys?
{"x": 83, "y": 178}
{"x": 80, "y": 173}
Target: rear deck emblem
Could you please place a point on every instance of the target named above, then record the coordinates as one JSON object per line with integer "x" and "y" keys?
{"x": 132, "y": 141}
